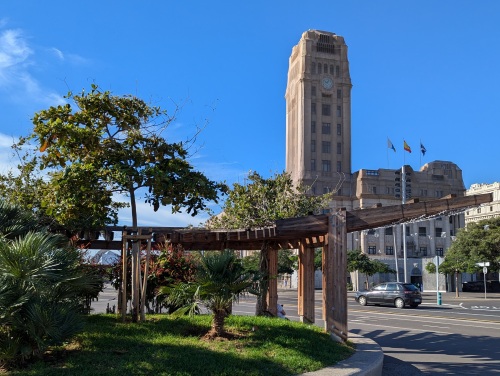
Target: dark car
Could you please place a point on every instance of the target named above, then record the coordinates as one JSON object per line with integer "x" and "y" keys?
{"x": 398, "y": 293}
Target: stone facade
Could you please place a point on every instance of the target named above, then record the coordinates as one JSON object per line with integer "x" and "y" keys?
{"x": 318, "y": 154}
{"x": 485, "y": 211}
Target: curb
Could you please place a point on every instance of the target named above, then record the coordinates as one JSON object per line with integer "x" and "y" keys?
{"x": 368, "y": 360}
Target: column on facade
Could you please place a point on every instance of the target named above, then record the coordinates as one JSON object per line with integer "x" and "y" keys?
{"x": 446, "y": 229}
{"x": 381, "y": 240}
{"x": 432, "y": 237}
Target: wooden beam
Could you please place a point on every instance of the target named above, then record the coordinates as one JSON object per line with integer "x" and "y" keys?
{"x": 363, "y": 219}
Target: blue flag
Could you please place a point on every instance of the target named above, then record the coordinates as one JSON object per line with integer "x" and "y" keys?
{"x": 422, "y": 149}
{"x": 390, "y": 145}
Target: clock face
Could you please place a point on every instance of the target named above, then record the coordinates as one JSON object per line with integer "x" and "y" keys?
{"x": 327, "y": 83}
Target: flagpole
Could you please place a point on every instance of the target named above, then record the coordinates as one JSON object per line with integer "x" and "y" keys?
{"x": 420, "y": 154}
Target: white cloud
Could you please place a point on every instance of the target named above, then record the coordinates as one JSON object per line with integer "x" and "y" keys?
{"x": 8, "y": 161}
{"x": 16, "y": 79}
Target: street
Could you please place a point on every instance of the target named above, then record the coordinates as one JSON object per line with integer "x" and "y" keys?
{"x": 459, "y": 337}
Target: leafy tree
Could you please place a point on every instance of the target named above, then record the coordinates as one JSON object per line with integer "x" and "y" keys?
{"x": 260, "y": 203}
{"x": 219, "y": 281}
{"x": 109, "y": 144}
{"x": 357, "y": 260}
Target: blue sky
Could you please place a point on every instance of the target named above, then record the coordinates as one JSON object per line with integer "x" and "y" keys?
{"x": 421, "y": 71}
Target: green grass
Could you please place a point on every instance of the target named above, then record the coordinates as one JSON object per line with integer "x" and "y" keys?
{"x": 164, "y": 345}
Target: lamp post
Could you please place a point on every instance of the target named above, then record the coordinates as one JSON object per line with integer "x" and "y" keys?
{"x": 438, "y": 295}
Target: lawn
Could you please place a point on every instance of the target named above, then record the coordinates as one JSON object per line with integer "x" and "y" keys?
{"x": 164, "y": 345}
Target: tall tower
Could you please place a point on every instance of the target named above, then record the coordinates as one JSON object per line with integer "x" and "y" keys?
{"x": 318, "y": 115}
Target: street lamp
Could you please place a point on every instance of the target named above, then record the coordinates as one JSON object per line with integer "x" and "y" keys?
{"x": 438, "y": 295}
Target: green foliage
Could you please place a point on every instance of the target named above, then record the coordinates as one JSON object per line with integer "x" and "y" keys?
{"x": 167, "y": 266}
{"x": 104, "y": 144}
{"x": 478, "y": 242}
{"x": 431, "y": 267}
{"x": 356, "y": 260}
{"x": 263, "y": 201}
{"x": 219, "y": 281}
{"x": 41, "y": 290}
{"x": 260, "y": 203}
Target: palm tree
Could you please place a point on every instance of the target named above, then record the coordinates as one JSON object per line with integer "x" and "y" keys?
{"x": 219, "y": 281}
{"x": 41, "y": 287}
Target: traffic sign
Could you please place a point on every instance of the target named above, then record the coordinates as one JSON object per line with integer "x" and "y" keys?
{"x": 487, "y": 263}
{"x": 485, "y": 270}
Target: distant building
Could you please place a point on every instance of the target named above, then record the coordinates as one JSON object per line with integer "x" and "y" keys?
{"x": 318, "y": 154}
{"x": 485, "y": 211}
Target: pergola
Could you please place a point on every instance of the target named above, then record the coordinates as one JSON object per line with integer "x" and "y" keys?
{"x": 328, "y": 232}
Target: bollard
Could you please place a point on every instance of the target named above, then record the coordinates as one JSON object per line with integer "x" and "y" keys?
{"x": 439, "y": 298}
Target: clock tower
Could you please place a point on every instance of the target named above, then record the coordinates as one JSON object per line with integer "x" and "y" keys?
{"x": 318, "y": 115}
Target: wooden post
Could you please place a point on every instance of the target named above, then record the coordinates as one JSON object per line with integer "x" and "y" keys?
{"x": 272, "y": 294}
{"x": 145, "y": 279}
{"x": 328, "y": 268}
{"x": 336, "y": 315}
{"x": 306, "y": 284}
{"x": 124, "y": 275}
{"x": 136, "y": 276}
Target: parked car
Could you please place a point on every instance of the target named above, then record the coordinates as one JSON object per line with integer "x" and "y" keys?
{"x": 398, "y": 293}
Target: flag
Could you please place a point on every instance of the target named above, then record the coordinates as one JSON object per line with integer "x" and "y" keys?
{"x": 422, "y": 149}
{"x": 406, "y": 146}
{"x": 390, "y": 145}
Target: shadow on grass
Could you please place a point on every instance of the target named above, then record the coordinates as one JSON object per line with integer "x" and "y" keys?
{"x": 173, "y": 346}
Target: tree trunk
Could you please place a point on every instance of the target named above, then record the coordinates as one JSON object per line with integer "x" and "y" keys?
{"x": 218, "y": 323}
{"x": 261, "y": 305}
{"x": 136, "y": 262}
{"x": 456, "y": 284}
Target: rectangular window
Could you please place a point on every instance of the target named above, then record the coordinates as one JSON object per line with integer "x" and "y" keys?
{"x": 313, "y": 164}
{"x": 325, "y": 147}
{"x": 439, "y": 232}
{"x": 339, "y": 129}
{"x": 422, "y": 231}
{"x": 325, "y": 166}
{"x": 325, "y": 128}
{"x": 339, "y": 111}
{"x": 337, "y": 71}
{"x": 326, "y": 190}
{"x": 339, "y": 148}
{"x": 326, "y": 109}
{"x": 339, "y": 94}
{"x": 313, "y": 127}
{"x": 389, "y": 250}
{"x": 339, "y": 166}
{"x": 439, "y": 252}
{"x": 331, "y": 69}
{"x": 423, "y": 251}
{"x": 439, "y": 194}
{"x": 313, "y": 146}
{"x": 374, "y": 190}
{"x": 313, "y": 91}
{"x": 372, "y": 250}
{"x": 388, "y": 230}
{"x": 313, "y": 108}
{"x": 407, "y": 231}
